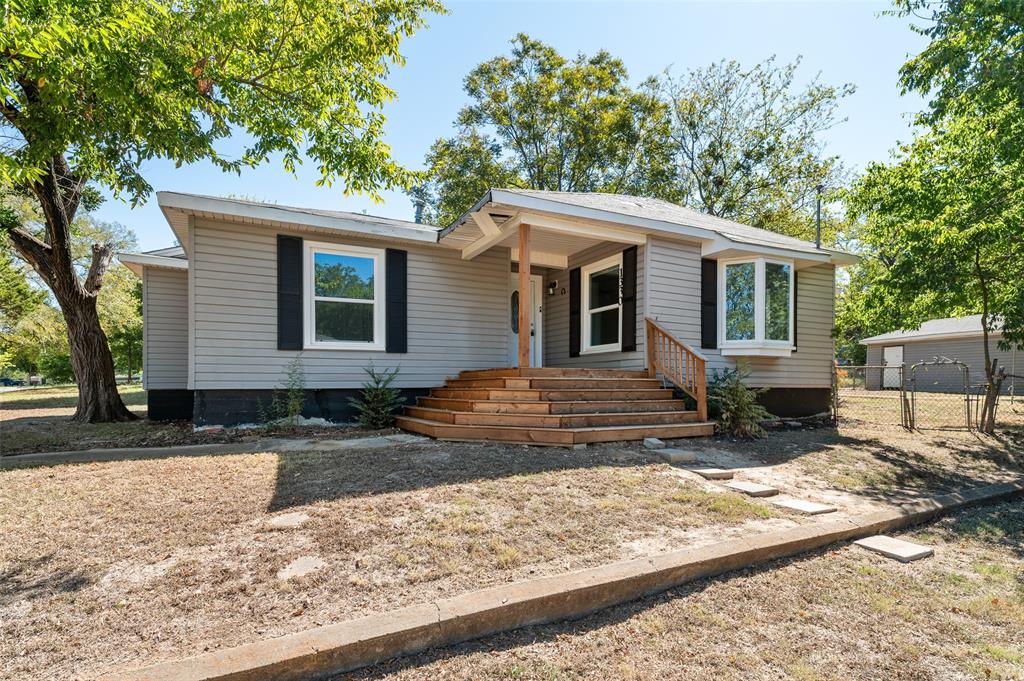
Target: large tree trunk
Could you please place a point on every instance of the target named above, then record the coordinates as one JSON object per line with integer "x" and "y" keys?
{"x": 98, "y": 399}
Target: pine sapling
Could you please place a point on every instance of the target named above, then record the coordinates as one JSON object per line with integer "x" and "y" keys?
{"x": 378, "y": 402}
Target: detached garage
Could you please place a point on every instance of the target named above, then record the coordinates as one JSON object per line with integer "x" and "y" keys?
{"x": 957, "y": 338}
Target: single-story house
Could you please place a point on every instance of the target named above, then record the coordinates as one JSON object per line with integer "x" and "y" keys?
{"x": 619, "y": 294}
{"x": 955, "y": 338}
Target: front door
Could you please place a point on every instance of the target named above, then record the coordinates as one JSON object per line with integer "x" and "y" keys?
{"x": 535, "y": 330}
{"x": 892, "y": 356}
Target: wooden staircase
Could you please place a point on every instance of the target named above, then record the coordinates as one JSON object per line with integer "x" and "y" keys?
{"x": 557, "y": 407}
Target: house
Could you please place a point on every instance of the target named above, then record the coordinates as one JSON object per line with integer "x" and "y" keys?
{"x": 616, "y": 293}
{"x": 958, "y": 338}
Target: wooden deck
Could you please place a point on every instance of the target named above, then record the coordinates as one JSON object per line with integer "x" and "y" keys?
{"x": 559, "y": 407}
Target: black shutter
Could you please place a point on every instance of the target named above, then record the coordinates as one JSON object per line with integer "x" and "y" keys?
{"x": 629, "y": 299}
{"x": 796, "y": 293}
{"x": 574, "y": 312}
{"x": 397, "y": 297}
{"x": 289, "y": 292}
{"x": 708, "y": 304}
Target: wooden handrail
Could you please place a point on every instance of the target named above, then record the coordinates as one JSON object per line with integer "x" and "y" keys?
{"x": 683, "y": 367}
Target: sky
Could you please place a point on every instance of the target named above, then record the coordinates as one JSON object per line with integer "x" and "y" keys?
{"x": 847, "y": 42}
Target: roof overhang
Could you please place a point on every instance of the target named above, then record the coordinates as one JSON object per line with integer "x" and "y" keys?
{"x": 180, "y": 209}
{"x": 137, "y": 261}
{"x": 886, "y": 339}
{"x": 566, "y": 228}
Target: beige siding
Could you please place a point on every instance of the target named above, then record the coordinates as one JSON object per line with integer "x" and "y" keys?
{"x": 457, "y": 314}
{"x": 556, "y": 316}
{"x": 164, "y": 329}
{"x": 674, "y": 301}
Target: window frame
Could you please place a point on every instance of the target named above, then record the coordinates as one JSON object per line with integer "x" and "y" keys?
{"x": 586, "y": 312}
{"x": 379, "y": 282}
{"x": 759, "y": 345}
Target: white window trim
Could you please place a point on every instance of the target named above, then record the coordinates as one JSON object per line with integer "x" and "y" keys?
{"x": 311, "y": 249}
{"x": 759, "y": 346}
{"x": 586, "y": 348}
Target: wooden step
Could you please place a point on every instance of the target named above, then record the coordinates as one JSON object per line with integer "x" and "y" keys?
{"x": 552, "y": 420}
{"x": 508, "y": 394}
{"x": 562, "y": 437}
{"x": 552, "y": 372}
{"x": 558, "y": 383}
{"x": 539, "y": 407}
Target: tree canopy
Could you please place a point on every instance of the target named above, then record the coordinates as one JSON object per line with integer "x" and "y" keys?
{"x": 539, "y": 120}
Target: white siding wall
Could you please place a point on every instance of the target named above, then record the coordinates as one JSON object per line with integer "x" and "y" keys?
{"x": 556, "y": 316}
{"x": 458, "y": 312}
{"x": 164, "y": 329}
{"x": 674, "y": 301}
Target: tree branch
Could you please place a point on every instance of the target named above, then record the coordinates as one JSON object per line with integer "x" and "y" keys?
{"x": 101, "y": 256}
{"x": 34, "y": 251}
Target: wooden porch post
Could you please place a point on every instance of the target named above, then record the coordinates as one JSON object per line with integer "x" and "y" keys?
{"x": 524, "y": 295}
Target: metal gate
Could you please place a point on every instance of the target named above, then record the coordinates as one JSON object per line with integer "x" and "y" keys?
{"x": 940, "y": 395}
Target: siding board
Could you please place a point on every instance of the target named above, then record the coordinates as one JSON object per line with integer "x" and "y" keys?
{"x": 164, "y": 329}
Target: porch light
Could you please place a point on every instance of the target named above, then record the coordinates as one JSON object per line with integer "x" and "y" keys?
{"x": 553, "y": 287}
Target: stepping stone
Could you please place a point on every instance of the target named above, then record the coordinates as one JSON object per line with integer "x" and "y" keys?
{"x": 300, "y": 567}
{"x": 752, "y": 489}
{"x": 677, "y": 455}
{"x": 288, "y": 520}
{"x": 890, "y": 547}
{"x": 713, "y": 473}
{"x": 804, "y": 506}
{"x": 653, "y": 443}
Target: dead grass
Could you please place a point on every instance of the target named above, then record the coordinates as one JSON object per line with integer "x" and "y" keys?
{"x": 113, "y": 565}
{"x": 841, "y": 614}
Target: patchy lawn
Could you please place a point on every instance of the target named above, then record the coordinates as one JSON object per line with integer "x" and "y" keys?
{"x": 37, "y": 420}
{"x": 842, "y": 613}
{"x": 114, "y": 565}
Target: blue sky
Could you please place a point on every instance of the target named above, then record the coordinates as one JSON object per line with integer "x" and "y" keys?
{"x": 845, "y": 41}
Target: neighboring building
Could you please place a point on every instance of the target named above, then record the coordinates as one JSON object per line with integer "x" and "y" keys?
{"x": 958, "y": 338}
{"x": 228, "y": 310}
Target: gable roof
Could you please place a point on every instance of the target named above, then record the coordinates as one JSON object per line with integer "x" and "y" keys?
{"x": 934, "y": 329}
{"x": 648, "y": 215}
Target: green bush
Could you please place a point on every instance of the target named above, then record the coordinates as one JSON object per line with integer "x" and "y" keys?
{"x": 378, "y": 402}
{"x": 735, "y": 404}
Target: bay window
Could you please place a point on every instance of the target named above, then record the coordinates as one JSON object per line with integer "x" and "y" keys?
{"x": 602, "y": 305}
{"x": 345, "y": 297}
{"x": 755, "y": 305}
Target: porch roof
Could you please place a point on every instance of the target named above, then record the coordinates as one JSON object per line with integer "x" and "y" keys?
{"x": 582, "y": 219}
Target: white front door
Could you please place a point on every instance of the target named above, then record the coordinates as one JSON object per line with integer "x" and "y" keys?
{"x": 892, "y": 356}
{"x": 536, "y": 352}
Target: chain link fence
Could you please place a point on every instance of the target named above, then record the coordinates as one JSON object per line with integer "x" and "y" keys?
{"x": 937, "y": 394}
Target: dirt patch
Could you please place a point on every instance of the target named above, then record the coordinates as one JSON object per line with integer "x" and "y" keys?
{"x": 842, "y": 613}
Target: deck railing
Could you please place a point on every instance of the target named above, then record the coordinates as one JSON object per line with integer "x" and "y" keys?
{"x": 683, "y": 367}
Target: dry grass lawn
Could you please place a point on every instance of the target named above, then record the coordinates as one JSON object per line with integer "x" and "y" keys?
{"x": 108, "y": 566}
{"x": 842, "y": 613}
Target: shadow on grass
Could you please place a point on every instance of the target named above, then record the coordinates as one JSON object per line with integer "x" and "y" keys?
{"x": 24, "y": 581}
{"x": 61, "y": 397}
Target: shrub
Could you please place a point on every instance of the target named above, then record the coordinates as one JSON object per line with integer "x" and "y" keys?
{"x": 56, "y": 367}
{"x": 736, "y": 403}
{"x": 289, "y": 399}
{"x": 378, "y": 401}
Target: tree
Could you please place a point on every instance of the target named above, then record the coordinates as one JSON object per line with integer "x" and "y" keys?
{"x": 541, "y": 121}
{"x": 17, "y": 296}
{"x": 747, "y": 146}
{"x": 120, "y": 310}
{"x": 90, "y": 91}
{"x": 948, "y": 217}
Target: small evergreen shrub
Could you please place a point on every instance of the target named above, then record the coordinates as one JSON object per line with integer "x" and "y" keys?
{"x": 289, "y": 399}
{"x": 735, "y": 403}
{"x": 378, "y": 402}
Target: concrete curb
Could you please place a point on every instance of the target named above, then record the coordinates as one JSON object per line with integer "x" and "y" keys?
{"x": 275, "y": 444}
{"x": 345, "y": 646}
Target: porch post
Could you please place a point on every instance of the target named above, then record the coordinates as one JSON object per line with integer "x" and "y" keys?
{"x": 524, "y": 295}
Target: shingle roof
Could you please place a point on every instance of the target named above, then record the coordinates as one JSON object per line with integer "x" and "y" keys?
{"x": 665, "y": 211}
{"x": 950, "y": 326}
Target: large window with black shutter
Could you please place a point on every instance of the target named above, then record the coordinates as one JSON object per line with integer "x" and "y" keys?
{"x": 345, "y": 297}
{"x": 602, "y": 305}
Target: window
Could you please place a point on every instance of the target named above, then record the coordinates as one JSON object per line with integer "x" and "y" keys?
{"x": 345, "y": 294}
{"x": 602, "y": 305}
{"x": 756, "y": 306}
